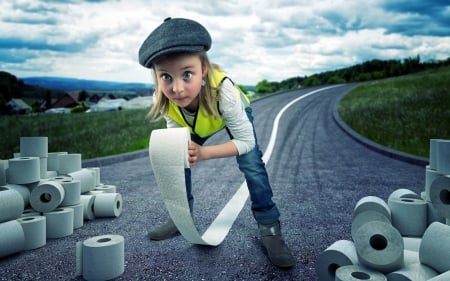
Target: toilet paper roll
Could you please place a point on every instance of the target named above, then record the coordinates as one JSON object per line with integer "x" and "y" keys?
{"x": 86, "y": 178}
{"x": 34, "y": 228}
{"x": 358, "y": 273}
{"x": 34, "y": 146}
{"x": 88, "y": 206}
{"x": 440, "y": 195}
{"x": 30, "y": 212}
{"x": 379, "y": 246}
{"x": 412, "y": 243}
{"x": 53, "y": 160}
{"x": 409, "y": 215}
{"x": 443, "y": 157}
{"x": 72, "y": 190}
{"x": 78, "y": 215}
{"x": 430, "y": 176}
{"x": 108, "y": 188}
{"x": 441, "y": 277}
{"x": 12, "y": 239}
{"x": 340, "y": 253}
{"x": 101, "y": 257}
{"x": 69, "y": 163}
{"x": 3, "y": 167}
{"x": 59, "y": 222}
{"x": 433, "y": 151}
{"x": 412, "y": 272}
{"x": 108, "y": 205}
{"x": 372, "y": 203}
{"x": 23, "y": 191}
{"x": 23, "y": 170}
{"x": 94, "y": 192}
{"x": 435, "y": 247}
{"x": 403, "y": 193}
{"x": 47, "y": 196}
{"x": 365, "y": 217}
{"x": 96, "y": 172}
{"x": 11, "y": 204}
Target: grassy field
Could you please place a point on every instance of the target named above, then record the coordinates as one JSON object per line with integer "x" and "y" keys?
{"x": 402, "y": 113}
{"x": 93, "y": 134}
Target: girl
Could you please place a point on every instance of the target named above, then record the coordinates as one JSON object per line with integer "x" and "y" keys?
{"x": 190, "y": 92}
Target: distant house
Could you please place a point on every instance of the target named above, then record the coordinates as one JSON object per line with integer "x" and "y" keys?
{"x": 69, "y": 100}
{"x": 19, "y": 106}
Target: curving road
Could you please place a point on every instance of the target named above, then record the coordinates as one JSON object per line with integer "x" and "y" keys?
{"x": 318, "y": 173}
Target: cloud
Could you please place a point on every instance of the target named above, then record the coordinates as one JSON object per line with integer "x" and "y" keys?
{"x": 271, "y": 40}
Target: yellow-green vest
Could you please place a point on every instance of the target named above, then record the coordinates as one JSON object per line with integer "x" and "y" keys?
{"x": 204, "y": 124}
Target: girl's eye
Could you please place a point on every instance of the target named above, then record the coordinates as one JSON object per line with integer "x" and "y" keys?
{"x": 166, "y": 77}
{"x": 187, "y": 75}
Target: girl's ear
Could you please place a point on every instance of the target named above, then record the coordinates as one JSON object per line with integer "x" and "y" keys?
{"x": 204, "y": 69}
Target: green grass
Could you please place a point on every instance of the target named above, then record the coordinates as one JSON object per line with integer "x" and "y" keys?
{"x": 93, "y": 134}
{"x": 402, "y": 113}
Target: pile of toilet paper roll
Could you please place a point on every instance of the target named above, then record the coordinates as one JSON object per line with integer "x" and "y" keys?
{"x": 48, "y": 195}
{"x": 405, "y": 238}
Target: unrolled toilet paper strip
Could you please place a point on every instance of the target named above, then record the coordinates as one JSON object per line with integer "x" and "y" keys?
{"x": 410, "y": 257}
{"x": 365, "y": 217}
{"x": 169, "y": 158}
{"x": 88, "y": 206}
{"x": 34, "y": 228}
{"x": 47, "y": 196}
{"x": 358, "y": 273}
{"x": 11, "y": 204}
{"x": 59, "y": 222}
{"x": 412, "y": 272}
{"x": 23, "y": 190}
{"x": 72, "y": 190}
{"x": 69, "y": 163}
{"x": 86, "y": 177}
{"x": 379, "y": 246}
{"x": 440, "y": 195}
{"x": 108, "y": 205}
{"x": 340, "y": 253}
{"x": 372, "y": 203}
{"x": 443, "y": 157}
{"x": 100, "y": 257}
{"x": 403, "y": 193}
{"x": 435, "y": 247}
{"x": 409, "y": 215}
{"x": 12, "y": 239}
{"x": 412, "y": 243}
{"x": 23, "y": 170}
{"x": 34, "y": 146}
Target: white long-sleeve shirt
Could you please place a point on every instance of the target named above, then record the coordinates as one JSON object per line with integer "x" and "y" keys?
{"x": 232, "y": 110}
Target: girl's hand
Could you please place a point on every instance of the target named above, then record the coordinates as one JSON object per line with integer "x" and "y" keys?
{"x": 194, "y": 153}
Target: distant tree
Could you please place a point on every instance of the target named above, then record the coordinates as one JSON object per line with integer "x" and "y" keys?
{"x": 264, "y": 87}
{"x": 83, "y": 95}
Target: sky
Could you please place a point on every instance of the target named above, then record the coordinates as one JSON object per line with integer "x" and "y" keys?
{"x": 251, "y": 40}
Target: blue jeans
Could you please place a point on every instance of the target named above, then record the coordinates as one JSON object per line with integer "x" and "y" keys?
{"x": 251, "y": 165}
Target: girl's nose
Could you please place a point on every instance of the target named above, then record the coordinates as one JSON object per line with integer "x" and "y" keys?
{"x": 177, "y": 86}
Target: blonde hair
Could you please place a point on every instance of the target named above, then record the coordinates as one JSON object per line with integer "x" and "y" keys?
{"x": 206, "y": 98}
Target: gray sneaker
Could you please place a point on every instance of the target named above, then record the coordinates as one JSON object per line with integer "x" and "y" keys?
{"x": 277, "y": 250}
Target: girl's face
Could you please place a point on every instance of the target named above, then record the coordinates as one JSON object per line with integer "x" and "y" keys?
{"x": 180, "y": 79}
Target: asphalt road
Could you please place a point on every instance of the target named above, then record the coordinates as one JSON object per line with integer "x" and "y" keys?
{"x": 317, "y": 171}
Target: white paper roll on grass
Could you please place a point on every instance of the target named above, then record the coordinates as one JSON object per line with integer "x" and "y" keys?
{"x": 86, "y": 178}
{"x": 412, "y": 272}
{"x": 101, "y": 257}
{"x": 366, "y": 216}
{"x": 23, "y": 170}
{"x": 12, "y": 238}
{"x": 379, "y": 246}
{"x": 340, "y": 253}
{"x": 108, "y": 205}
{"x": 440, "y": 195}
{"x": 409, "y": 215}
{"x": 47, "y": 196}
{"x": 72, "y": 190}
{"x": 88, "y": 206}
{"x": 23, "y": 190}
{"x": 34, "y": 146}
{"x": 69, "y": 163}
{"x": 435, "y": 247}
{"x": 358, "y": 273}
{"x": 372, "y": 203}
{"x": 11, "y": 204}
{"x": 34, "y": 228}
{"x": 78, "y": 213}
{"x": 443, "y": 157}
{"x": 59, "y": 222}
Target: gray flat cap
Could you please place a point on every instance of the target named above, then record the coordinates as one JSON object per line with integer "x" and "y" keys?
{"x": 173, "y": 36}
